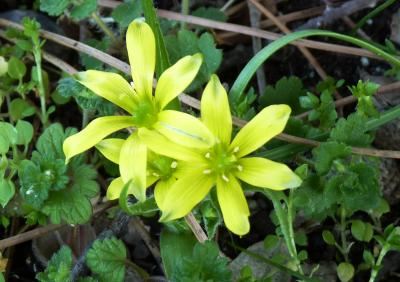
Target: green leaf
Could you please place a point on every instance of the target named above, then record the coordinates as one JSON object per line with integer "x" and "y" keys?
{"x": 211, "y": 217}
{"x": 51, "y": 140}
{"x": 362, "y": 231}
{"x": 25, "y": 132}
{"x": 3, "y": 66}
{"x": 211, "y": 13}
{"x": 345, "y": 271}
{"x": 148, "y": 207}
{"x": 79, "y": 12}
{"x": 162, "y": 59}
{"x": 368, "y": 258}
{"x": 125, "y": 13}
{"x": 7, "y": 191}
{"x": 20, "y": 108}
{"x": 187, "y": 43}
{"x": 4, "y": 144}
{"x": 351, "y": 131}
{"x": 205, "y": 264}
{"x": 106, "y": 258}
{"x": 88, "y": 61}
{"x": 286, "y": 91}
{"x": 364, "y": 91}
{"x": 271, "y": 241}
{"x": 16, "y": 68}
{"x": 9, "y": 132}
{"x": 54, "y": 7}
{"x": 250, "y": 69}
{"x": 174, "y": 247}
{"x": 328, "y": 237}
{"x": 327, "y": 153}
{"x": 58, "y": 268}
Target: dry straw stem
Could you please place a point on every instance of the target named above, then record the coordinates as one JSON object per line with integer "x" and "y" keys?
{"x": 307, "y": 54}
{"x": 38, "y": 232}
{"x": 336, "y": 48}
{"x": 193, "y": 102}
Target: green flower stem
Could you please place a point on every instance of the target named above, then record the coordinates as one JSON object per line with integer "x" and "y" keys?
{"x": 344, "y": 247}
{"x": 42, "y": 93}
{"x": 185, "y": 11}
{"x": 286, "y": 224}
{"x": 104, "y": 27}
{"x": 377, "y": 266}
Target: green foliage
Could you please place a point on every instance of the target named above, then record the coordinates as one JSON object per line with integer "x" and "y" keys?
{"x": 205, "y": 264}
{"x": 211, "y": 217}
{"x": 345, "y": 271}
{"x": 364, "y": 92}
{"x": 362, "y": 231}
{"x": 20, "y": 108}
{"x": 322, "y": 108}
{"x": 187, "y": 43}
{"x": 58, "y": 268}
{"x": 126, "y": 12}
{"x": 92, "y": 63}
{"x": 328, "y": 237}
{"x": 106, "y": 258}
{"x": 351, "y": 131}
{"x": 54, "y": 7}
{"x": 61, "y": 191}
{"x": 79, "y": 12}
{"x": 243, "y": 108}
{"x": 286, "y": 91}
{"x": 327, "y": 153}
{"x": 16, "y": 68}
{"x": 86, "y": 99}
{"x": 7, "y": 191}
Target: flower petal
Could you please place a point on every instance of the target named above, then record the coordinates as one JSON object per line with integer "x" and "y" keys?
{"x": 93, "y": 133}
{"x": 177, "y": 78}
{"x": 266, "y": 124}
{"x": 184, "y": 129}
{"x": 161, "y": 189}
{"x": 115, "y": 188}
{"x": 110, "y": 86}
{"x": 141, "y": 47}
{"x": 132, "y": 165}
{"x": 233, "y": 205}
{"x": 215, "y": 111}
{"x": 110, "y": 148}
{"x": 163, "y": 146}
{"x": 267, "y": 174}
{"x": 186, "y": 193}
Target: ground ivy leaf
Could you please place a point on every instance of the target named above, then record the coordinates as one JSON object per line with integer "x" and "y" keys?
{"x": 20, "y": 108}
{"x": 125, "y": 13}
{"x": 54, "y": 7}
{"x": 25, "y": 132}
{"x": 286, "y": 91}
{"x": 351, "y": 131}
{"x": 204, "y": 265}
{"x": 7, "y": 191}
{"x": 106, "y": 258}
{"x": 79, "y": 12}
{"x": 58, "y": 268}
{"x": 328, "y": 152}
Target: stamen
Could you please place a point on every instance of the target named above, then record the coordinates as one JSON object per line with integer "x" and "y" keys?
{"x": 240, "y": 168}
{"x": 224, "y": 177}
{"x": 132, "y": 84}
{"x": 207, "y": 155}
{"x": 155, "y": 174}
{"x": 236, "y": 149}
{"x": 174, "y": 164}
{"x": 207, "y": 171}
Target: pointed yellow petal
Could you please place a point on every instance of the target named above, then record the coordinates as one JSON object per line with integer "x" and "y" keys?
{"x": 141, "y": 47}
{"x": 115, "y": 188}
{"x": 265, "y": 125}
{"x": 162, "y": 146}
{"x": 132, "y": 165}
{"x": 177, "y": 78}
{"x": 161, "y": 189}
{"x": 93, "y": 133}
{"x": 184, "y": 129}
{"x": 110, "y": 86}
{"x": 215, "y": 111}
{"x": 186, "y": 193}
{"x": 110, "y": 148}
{"x": 267, "y": 174}
{"x": 233, "y": 205}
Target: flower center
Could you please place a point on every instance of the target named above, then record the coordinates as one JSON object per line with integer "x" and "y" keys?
{"x": 162, "y": 167}
{"x": 144, "y": 114}
{"x": 221, "y": 161}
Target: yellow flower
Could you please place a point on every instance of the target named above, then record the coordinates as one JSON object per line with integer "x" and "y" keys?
{"x": 223, "y": 162}
{"x": 145, "y": 110}
{"x": 162, "y": 169}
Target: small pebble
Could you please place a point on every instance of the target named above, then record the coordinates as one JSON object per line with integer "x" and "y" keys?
{"x": 365, "y": 61}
